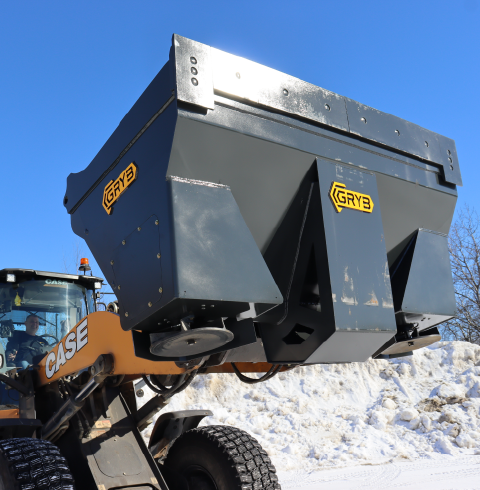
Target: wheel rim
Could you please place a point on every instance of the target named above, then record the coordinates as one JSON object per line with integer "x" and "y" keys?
{"x": 199, "y": 478}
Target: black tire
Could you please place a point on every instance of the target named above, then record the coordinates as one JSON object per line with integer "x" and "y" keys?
{"x": 27, "y": 464}
{"x": 220, "y": 458}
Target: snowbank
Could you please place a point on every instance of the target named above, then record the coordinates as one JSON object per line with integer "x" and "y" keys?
{"x": 347, "y": 414}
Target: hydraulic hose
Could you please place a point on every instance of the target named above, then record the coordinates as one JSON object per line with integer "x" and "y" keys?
{"x": 187, "y": 383}
{"x": 180, "y": 385}
{"x": 251, "y": 381}
{"x": 165, "y": 393}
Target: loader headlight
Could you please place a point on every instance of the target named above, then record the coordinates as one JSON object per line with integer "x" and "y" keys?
{"x": 11, "y": 278}
{"x": 98, "y": 285}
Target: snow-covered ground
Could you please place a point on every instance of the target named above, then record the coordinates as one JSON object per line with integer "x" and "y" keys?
{"x": 411, "y": 415}
{"x": 442, "y": 473}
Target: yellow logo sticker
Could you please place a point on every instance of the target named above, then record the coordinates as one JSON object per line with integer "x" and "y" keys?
{"x": 343, "y": 198}
{"x": 115, "y": 188}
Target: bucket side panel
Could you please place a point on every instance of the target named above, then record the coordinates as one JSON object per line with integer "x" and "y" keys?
{"x": 217, "y": 258}
{"x": 357, "y": 258}
{"x": 147, "y": 196}
{"x": 357, "y": 262}
{"x": 430, "y": 285}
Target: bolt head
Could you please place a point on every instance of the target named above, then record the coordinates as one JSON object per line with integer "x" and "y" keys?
{"x": 285, "y": 92}
{"x": 150, "y": 304}
{"x": 123, "y": 242}
{"x": 193, "y": 60}
{"x": 139, "y": 228}
{"x": 158, "y": 256}
{"x": 118, "y": 287}
{"x": 160, "y": 290}
{"x": 194, "y": 81}
{"x": 156, "y": 221}
{"x": 111, "y": 262}
{"x": 126, "y": 313}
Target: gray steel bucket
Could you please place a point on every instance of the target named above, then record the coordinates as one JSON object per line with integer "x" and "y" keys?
{"x": 233, "y": 189}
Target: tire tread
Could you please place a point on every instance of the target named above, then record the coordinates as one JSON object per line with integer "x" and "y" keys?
{"x": 248, "y": 460}
{"x": 36, "y": 464}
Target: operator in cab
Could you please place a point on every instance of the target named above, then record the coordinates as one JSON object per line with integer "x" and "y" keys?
{"x": 22, "y": 347}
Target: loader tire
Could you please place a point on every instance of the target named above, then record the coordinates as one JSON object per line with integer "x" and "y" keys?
{"x": 220, "y": 457}
{"x": 28, "y": 464}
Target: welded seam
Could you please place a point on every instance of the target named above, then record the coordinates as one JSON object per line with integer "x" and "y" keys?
{"x": 184, "y": 180}
{"x": 297, "y": 253}
{"x": 346, "y": 112}
{"x": 122, "y": 154}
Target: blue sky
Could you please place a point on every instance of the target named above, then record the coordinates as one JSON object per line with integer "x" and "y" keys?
{"x": 71, "y": 70}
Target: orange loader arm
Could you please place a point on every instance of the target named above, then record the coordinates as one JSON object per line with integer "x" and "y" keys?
{"x": 100, "y": 333}
{"x": 97, "y": 334}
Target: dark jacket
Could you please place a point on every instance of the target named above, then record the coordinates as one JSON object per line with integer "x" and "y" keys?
{"x": 27, "y": 346}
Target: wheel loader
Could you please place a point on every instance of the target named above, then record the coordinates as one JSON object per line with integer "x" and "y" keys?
{"x": 248, "y": 222}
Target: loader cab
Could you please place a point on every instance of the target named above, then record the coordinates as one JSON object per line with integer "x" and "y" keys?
{"x": 58, "y": 301}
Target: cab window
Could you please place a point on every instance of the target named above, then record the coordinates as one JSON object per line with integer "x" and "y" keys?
{"x": 59, "y": 306}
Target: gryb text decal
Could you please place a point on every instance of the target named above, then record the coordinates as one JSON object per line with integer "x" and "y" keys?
{"x": 343, "y": 198}
{"x": 67, "y": 349}
{"x": 115, "y": 188}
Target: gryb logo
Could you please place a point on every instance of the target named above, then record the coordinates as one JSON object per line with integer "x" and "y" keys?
{"x": 343, "y": 198}
{"x": 115, "y": 188}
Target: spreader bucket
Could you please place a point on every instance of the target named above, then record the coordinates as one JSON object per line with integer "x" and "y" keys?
{"x": 235, "y": 197}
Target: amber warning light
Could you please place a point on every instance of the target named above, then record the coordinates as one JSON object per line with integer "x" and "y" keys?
{"x": 84, "y": 265}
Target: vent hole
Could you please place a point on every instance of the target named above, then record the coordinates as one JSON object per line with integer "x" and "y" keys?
{"x": 298, "y": 334}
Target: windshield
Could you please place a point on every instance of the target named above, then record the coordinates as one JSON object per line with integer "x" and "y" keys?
{"x": 58, "y": 304}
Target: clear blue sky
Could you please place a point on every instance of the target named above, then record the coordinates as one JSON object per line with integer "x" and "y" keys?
{"x": 71, "y": 70}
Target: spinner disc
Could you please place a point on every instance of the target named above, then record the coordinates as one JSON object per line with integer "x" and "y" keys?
{"x": 191, "y": 342}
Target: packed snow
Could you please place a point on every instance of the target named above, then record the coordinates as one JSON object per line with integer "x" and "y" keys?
{"x": 424, "y": 407}
{"x": 441, "y": 473}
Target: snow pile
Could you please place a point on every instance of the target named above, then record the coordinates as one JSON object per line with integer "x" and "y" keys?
{"x": 345, "y": 414}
